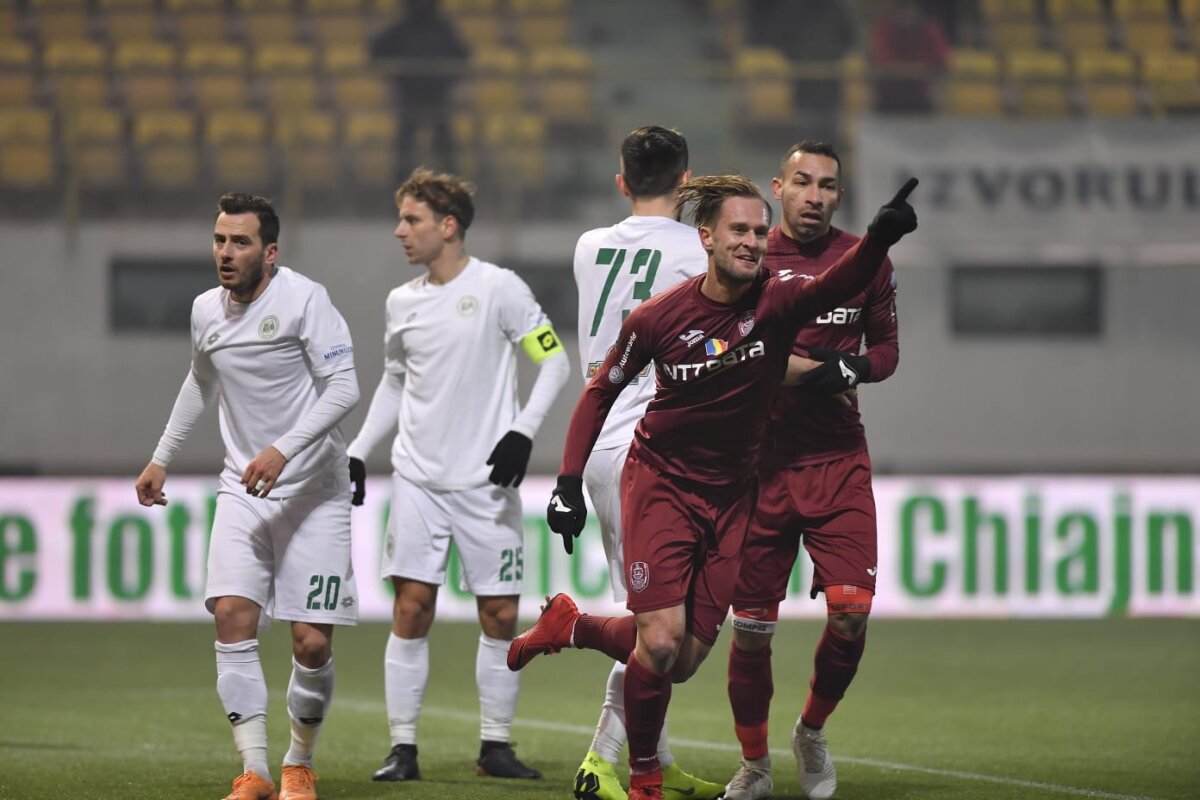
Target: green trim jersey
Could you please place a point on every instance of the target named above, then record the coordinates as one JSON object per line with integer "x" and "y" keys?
{"x": 617, "y": 268}
{"x": 455, "y": 346}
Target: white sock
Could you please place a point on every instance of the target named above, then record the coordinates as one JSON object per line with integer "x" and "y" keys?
{"x": 610, "y": 728}
{"x": 405, "y": 675}
{"x": 498, "y": 688}
{"x": 309, "y": 693}
{"x": 665, "y": 757}
{"x": 243, "y": 693}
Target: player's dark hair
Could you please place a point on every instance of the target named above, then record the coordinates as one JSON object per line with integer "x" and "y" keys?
{"x": 653, "y": 159}
{"x": 448, "y": 195}
{"x": 242, "y": 203}
{"x": 707, "y": 194}
{"x": 814, "y": 147}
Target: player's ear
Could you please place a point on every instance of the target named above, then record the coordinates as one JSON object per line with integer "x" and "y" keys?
{"x": 706, "y": 238}
{"x": 271, "y": 253}
{"x": 619, "y": 180}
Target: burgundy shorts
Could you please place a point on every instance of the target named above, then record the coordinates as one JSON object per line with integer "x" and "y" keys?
{"x": 683, "y": 545}
{"x": 831, "y": 506}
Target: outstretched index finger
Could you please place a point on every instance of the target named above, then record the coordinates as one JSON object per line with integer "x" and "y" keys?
{"x": 903, "y": 194}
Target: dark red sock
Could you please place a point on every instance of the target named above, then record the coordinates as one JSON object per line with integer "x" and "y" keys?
{"x": 834, "y": 666}
{"x": 750, "y": 692}
{"x": 613, "y": 636}
{"x": 646, "y": 697}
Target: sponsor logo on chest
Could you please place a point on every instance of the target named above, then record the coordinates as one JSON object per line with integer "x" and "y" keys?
{"x": 721, "y": 356}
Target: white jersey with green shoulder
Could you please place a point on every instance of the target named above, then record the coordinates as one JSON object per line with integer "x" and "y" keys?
{"x": 616, "y": 269}
{"x": 455, "y": 344}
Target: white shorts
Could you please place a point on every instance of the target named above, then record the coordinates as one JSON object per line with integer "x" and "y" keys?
{"x": 485, "y": 524}
{"x": 602, "y": 475}
{"x": 291, "y": 556}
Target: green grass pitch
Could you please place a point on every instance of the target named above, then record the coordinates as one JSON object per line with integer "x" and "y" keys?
{"x": 940, "y": 709}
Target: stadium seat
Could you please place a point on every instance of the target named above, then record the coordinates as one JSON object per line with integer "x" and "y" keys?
{"x": 1040, "y": 83}
{"x": 268, "y": 26}
{"x": 329, "y": 29}
{"x": 340, "y": 58}
{"x": 100, "y": 166}
{"x": 279, "y": 58}
{"x": 151, "y": 56}
{"x": 374, "y": 167}
{"x": 78, "y": 91}
{"x": 291, "y": 92}
{"x": 194, "y": 5}
{"x": 1107, "y": 83}
{"x": 973, "y": 86}
{"x": 253, "y": 6}
{"x": 516, "y": 146}
{"x": 296, "y": 129}
{"x": 542, "y": 30}
{"x": 495, "y": 87}
{"x": 1149, "y": 36}
{"x": 112, "y": 6}
{"x": 63, "y": 23}
{"x": 369, "y": 128}
{"x": 9, "y": 23}
{"x": 201, "y": 26}
{"x": 131, "y": 25}
{"x": 242, "y": 126}
{"x": 27, "y": 165}
{"x": 1009, "y": 9}
{"x": 175, "y": 127}
{"x": 93, "y": 146}
{"x": 16, "y": 89}
{"x": 458, "y": 8}
{"x": 334, "y": 6}
{"x": 146, "y": 91}
{"x": 25, "y": 125}
{"x": 74, "y": 55}
{"x": 974, "y": 63}
{"x": 209, "y": 57}
{"x": 101, "y": 125}
{"x": 764, "y": 84}
{"x": 1084, "y": 34}
{"x": 1016, "y": 34}
{"x": 562, "y": 81}
{"x": 169, "y": 167}
{"x": 16, "y": 55}
{"x": 1172, "y": 81}
{"x": 313, "y": 166}
{"x": 210, "y": 92}
{"x": 359, "y": 92}
{"x": 1078, "y": 9}
{"x": 560, "y": 7}
{"x": 1131, "y": 9}
{"x": 478, "y": 32}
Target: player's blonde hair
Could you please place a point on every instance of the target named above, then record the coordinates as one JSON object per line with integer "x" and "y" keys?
{"x": 448, "y": 195}
{"x": 707, "y": 194}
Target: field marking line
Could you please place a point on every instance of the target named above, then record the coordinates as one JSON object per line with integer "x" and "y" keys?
{"x": 697, "y": 744}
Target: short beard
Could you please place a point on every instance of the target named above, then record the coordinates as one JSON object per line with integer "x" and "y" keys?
{"x": 252, "y": 279}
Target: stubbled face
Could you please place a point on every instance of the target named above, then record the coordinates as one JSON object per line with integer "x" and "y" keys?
{"x": 242, "y": 259}
{"x": 737, "y": 241}
{"x": 809, "y": 190}
{"x": 422, "y": 231}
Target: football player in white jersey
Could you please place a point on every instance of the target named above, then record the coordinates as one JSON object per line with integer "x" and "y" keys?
{"x": 615, "y": 269}
{"x": 462, "y": 443}
{"x": 269, "y": 346}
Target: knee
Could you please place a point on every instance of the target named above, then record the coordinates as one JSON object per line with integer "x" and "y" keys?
{"x": 498, "y": 618}
{"x": 849, "y": 626}
{"x": 411, "y": 606}
{"x": 751, "y": 642}
{"x": 661, "y": 644}
{"x": 235, "y": 621}
{"x": 312, "y": 648}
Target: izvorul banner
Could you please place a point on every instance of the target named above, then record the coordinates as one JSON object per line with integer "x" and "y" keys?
{"x": 1113, "y": 191}
{"x": 1024, "y": 546}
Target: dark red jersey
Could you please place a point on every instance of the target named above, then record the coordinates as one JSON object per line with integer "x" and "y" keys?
{"x": 808, "y": 427}
{"x": 718, "y": 368}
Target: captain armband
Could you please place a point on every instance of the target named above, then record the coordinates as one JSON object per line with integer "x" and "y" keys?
{"x": 756, "y": 620}
{"x": 541, "y": 343}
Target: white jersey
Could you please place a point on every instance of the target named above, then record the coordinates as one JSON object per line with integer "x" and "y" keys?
{"x": 455, "y": 344}
{"x": 268, "y": 359}
{"x": 616, "y": 269}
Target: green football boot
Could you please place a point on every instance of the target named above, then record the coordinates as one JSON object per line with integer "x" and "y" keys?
{"x": 597, "y": 780}
{"x": 678, "y": 785}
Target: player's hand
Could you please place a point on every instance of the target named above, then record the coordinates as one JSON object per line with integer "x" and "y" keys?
{"x": 896, "y": 218}
{"x": 149, "y": 485}
{"x": 567, "y": 510}
{"x": 358, "y": 476}
{"x": 837, "y": 373}
{"x": 262, "y": 472}
{"x": 509, "y": 459}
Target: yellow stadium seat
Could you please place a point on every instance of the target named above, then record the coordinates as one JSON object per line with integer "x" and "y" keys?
{"x": 194, "y": 5}
{"x": 169, "y": 167}
{"x": 1173, "y": 82}
{"x": 9, "y": 26}
{"x": 112, "y": 6}
{"x": 565, "y": 99}
{"x": 16, "y": 89}
{"x": 313, "y": 166}
{"x": 252, "y": 6}
{"x": 1105, "y": 65}
{"x": 99, "y": 125}
{"x": 64, "y": 23}
{"x": 268, "y": 27}
{"x": 561, "y": 7}
{"x": 163, "y": 127}
{"x": 1084, "y": 34}
{"x": 201, "y": 57}
{"x": 16, "y": 55}
{"x": 74, "y": 55}
{"x": 151, "y": 91}
{"x": 149, "y": 56}
{"x": 1040, "y": 83}
{"x": 972, "y": 63}
{"x": 132, "y": 25}
{"x": 340, "y": 28}
{"x": 78, "y": 91}
{"x": 1043, "y": 65}
{"x": 276, "y": 58}
{"x": 972, "y": 97}
{"x": 504, "y": 61}
{"x": 494, "y": 95}
{"x": 1110, "y": 99}
{"x": 764, "y": 84}
{"x": 374, "y": 167}
{"x": 1189, "y": 10}
{"x": 369, "y": 128}
{"x": 1061, "y": 9}
{"x": 480, "y": 31}
{"x": 1155, "y": 9}
{"x": 539, "y": 31}
{"x": 292, "y": 91}
{"x": 753, "y": 63}
{"x": 1009, "y": 9}
{"x": 464, "y": 7}
{"x": 1146, "y": 36}
{"x": 242, "y": 126}
{"x": 201, "y": 26}
{"x": 1016, "y": 35}
{"x": 1044, "y": 100}
{"x": 27, "y": 165}
{"x": 100, "y": 166}
{"x": 25, "y": 125}
{"x": 360, "y": 92}
{"x": 334, "y": 6}
{"x": 341, "y": 58}
{"x": 210, "y": 92}
{"x": 1108, "y": 83}
{"x": 293, "y": 129}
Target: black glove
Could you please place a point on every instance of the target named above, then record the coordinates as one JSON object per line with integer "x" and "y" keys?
{"x": 358, "y": 476}
{"x": 567, "y": 511}
{"x": 838, "y": 372}
{"x": 509, "y": 459}
{"x": 896, "y": 218}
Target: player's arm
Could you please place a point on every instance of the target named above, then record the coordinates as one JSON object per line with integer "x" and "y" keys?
{"x": 567, "y": 512}
{"x": 880, "y": 327}
{"x": 383, "y": 415}
{"x": 197, "y": 392}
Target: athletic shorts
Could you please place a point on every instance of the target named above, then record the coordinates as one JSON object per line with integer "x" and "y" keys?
{"x": 603, "y": 478}
{"x": 291, "y": 556}
{"x": 484, "y": 523}
{"x": 683, "y": 545}
{"x": 832, "y": 507}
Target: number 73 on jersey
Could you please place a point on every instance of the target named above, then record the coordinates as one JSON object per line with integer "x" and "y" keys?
{"x": 644, "y": 262}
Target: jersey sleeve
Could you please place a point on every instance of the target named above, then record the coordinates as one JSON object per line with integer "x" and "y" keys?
{"x": 326, "y": 336}
{"x": 880, "y": 328}
{"x": 523, "y": 321}
{"x": 632, "y": 351}
{"x": 849, "y": 275}
{"x": 395, "y": 360}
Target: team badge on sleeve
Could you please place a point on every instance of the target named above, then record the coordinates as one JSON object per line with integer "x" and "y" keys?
{"x": 541, "y": 343}
{"x": 639, "y": 576}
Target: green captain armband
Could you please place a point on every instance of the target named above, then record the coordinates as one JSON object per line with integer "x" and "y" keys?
{"x": 541, "y": 343}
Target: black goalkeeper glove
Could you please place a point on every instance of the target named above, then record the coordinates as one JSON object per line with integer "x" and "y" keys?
{"x": 838, "y": 372}
{"x": 358, "y": 476}
{"x": 509, "y": 459}
{"x": 896, "y": 218}
{"x": 567, "y": 511}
